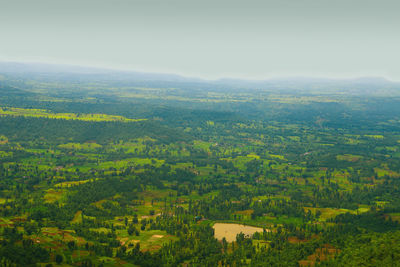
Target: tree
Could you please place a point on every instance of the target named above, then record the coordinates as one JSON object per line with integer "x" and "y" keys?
{"x": 135, "y": 218}
{"x": 59, "y": 259}
{"x": 131, "y": 229}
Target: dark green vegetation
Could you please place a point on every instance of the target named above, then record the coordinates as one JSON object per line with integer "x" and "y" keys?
{"x": 319, "y": 173}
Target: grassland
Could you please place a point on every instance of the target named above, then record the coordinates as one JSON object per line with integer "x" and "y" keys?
{"x": 41, "y": 113}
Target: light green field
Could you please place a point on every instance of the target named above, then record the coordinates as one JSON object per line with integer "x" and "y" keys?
{"x": 349, "y": 157}
{"x": 149, "y": 240}
{"x": 42, "y": 113}
{"x": 78, "y": 146}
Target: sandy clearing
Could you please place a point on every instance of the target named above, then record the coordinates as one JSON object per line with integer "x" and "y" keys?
{"x": 230, "y": 230}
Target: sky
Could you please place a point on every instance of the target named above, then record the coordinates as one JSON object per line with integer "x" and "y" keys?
{"x": 211, "y": 39}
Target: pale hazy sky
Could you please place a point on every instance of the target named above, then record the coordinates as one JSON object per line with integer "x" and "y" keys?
{"x": 208, "y": 38}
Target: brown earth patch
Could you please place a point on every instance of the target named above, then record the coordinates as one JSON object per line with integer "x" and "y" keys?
{"x": 326, "y": 252}
{"x": 245, "y": 212}
{"x": 230, "y": 230}
{"x": 296, "y": 240}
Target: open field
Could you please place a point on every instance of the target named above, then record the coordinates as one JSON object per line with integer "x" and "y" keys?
{"x": 41, "y": 113}
{"x": 230, "y": 230}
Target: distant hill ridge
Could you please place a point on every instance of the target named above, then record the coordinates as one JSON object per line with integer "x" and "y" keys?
{"x": 55, "y": 72}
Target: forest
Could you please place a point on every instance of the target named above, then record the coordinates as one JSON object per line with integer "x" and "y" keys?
{"x": 103, "y": 171}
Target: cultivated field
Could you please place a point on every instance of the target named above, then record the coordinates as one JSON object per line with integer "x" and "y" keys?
{"x": 230, "y": 230}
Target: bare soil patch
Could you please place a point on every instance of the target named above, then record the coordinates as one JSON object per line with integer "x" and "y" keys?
{"x": 230, "y": 230}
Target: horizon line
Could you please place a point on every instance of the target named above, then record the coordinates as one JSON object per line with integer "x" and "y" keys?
{"x": 199, "y": 77}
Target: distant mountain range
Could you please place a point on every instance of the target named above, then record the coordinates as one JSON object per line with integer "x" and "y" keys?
{"x": 362, "y": 85}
